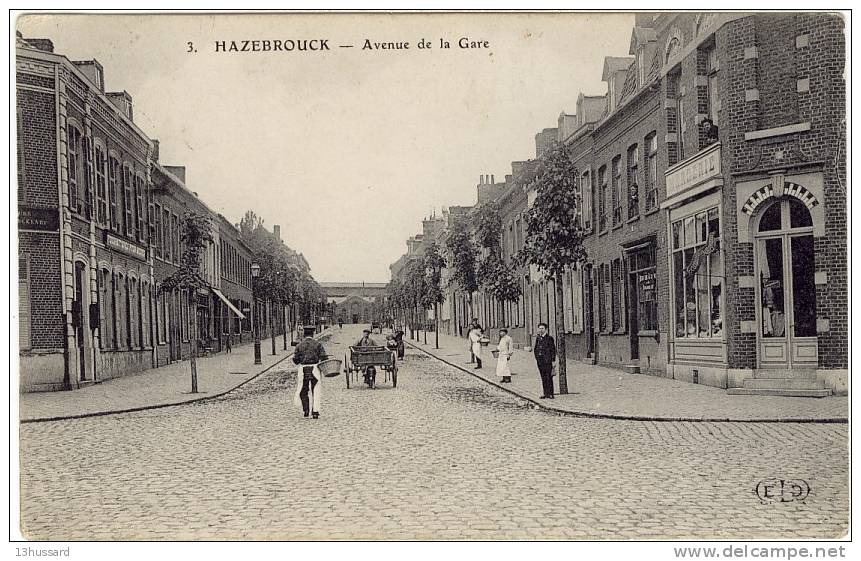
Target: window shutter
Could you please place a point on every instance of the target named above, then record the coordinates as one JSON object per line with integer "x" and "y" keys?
{"x": 24, "y": 319}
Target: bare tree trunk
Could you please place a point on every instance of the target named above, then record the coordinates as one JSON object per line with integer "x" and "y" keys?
{"x": 194, "y": 342}
{"x": 286, "y": 323}
{"x": 270, "y": 313}
{"x": 436, "y": 325}
{"x": 425, "y": 321}
{"x": 560, "y": 335}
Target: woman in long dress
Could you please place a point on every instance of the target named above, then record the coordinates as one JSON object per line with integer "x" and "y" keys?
{"x": 475, "y": 340}
{"x": 506, "y": 349}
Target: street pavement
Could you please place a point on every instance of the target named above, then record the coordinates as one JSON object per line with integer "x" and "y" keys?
{"x": 600, "y": 391}
{"x": 155, "y": 387}
{"x": 442, "y": 456}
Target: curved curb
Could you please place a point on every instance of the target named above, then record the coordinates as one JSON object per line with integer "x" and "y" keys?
{"x": 157, "y": 405}
{"x": 611, "y": 416}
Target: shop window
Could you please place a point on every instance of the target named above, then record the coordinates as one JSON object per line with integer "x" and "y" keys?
{"x": 698, "y": 277}
{"x": 633, "y": 181}
{"x": 799, "y": 216}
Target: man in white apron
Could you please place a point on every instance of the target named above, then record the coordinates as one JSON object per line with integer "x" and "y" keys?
{"x": 308, "y": 387}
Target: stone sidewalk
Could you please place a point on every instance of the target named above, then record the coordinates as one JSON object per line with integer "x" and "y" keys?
{"x": 606, "y": 392}
{"x": 157, "y": 387}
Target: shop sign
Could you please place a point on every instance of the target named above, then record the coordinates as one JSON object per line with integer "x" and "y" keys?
{"x": 690, "y": 173}
{"x": 125, "y": 246}
{"x": 41, "y": 219}
{"x": 647, "y": 283}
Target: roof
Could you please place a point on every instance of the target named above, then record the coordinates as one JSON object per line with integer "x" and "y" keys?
{"x": 353, "y": 284}
{"x": 613, "y": 64}
{"x": 640, "y": 36}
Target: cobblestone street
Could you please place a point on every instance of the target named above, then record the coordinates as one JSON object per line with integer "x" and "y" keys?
{"x": 443, "y": 456}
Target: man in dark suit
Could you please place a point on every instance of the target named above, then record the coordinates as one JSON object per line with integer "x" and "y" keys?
{"x": 545, "y": 355}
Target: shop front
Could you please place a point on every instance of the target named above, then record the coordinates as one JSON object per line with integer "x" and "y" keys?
{"x": 697, "y": 332}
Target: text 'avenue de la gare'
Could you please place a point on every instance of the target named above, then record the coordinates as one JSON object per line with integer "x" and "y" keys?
{"x": 318, "y": 45}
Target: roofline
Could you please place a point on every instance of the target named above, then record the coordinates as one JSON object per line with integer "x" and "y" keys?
{"x": 63, "y": 59}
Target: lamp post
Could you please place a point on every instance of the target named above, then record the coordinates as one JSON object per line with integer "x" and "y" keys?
{"x": 255, "y": 272}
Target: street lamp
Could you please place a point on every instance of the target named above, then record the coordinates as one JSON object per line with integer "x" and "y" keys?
{"x": 255, "y": 272}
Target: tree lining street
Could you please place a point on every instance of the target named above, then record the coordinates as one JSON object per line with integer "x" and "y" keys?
{"x": 443, "y": 456}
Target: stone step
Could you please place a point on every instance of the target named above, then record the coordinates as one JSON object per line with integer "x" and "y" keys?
{"x": 779, "y": 392}
{"x": 631, "y": 368}
{"x": 784, "y": 383}
{"x": 798, "y": 373}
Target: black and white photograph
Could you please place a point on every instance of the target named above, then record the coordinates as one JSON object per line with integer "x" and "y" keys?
{"x": 467, "y": 276}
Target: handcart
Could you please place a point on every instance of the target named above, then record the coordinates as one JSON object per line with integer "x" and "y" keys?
{"x": 365, "y": 360}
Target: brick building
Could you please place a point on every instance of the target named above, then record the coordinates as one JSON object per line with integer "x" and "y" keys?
{"x": 99, "y": 220}
{"x": 235, "y": 259}
{"x": 85, "y": 275}
{"x": 712, "y": 191}
{"x": 759, "y": 203}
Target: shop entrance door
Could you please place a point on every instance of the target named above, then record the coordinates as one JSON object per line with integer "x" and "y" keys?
{"x": 786, "y": 288}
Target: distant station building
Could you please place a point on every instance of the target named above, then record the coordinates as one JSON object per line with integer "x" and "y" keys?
{"x": 354, "y": 302}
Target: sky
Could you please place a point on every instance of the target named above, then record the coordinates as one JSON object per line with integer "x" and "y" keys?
{"x": 347, "y": 149}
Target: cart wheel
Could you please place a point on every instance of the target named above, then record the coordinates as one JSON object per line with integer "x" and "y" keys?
{"x": 394, "y": 372}
{"x": 347, "y": 371}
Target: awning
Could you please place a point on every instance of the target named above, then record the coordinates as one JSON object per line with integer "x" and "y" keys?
{"x": 230, "y": 305}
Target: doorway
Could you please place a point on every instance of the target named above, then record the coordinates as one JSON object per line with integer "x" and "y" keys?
{"x": 786, "y": 287}
{"x": 79, "y": 309}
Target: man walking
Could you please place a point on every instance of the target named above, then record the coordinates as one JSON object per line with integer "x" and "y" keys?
{"x": 545, "y": 355}
{"x": 307, "y": 354}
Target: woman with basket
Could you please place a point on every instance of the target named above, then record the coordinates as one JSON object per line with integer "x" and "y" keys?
{"x": 503, "y": 354}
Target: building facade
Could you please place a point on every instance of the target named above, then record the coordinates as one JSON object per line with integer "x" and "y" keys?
{"x": 85, "y": 272}
{"x": 712, "y": 196}
{"x": 99, "y": 230}
{"x": 355, "y": 302}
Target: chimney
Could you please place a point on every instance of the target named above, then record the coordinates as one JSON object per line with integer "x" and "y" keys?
{"x": 643, "y": 20}
{"x": 492, "y": 179}
{"x": 276, "y": 229}
{"x": 93, "y": 71}
{"x": 178, "y": 171}
{"x": 155, "y": 147}
{"x": 39, "y": 44}
{"x": 122, "y": 101}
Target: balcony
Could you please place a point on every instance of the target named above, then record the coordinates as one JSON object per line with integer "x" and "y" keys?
{"x": 694, "y": 176}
